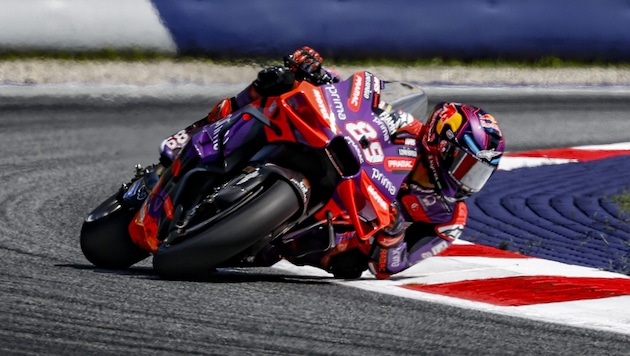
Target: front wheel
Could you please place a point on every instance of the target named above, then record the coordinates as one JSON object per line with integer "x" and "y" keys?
{"x": 235, "y": 233}
{"x": 105, "y": 239}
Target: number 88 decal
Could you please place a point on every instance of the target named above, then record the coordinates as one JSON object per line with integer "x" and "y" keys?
{"x": 358, "y": 130}
{"x": 177, "y": 140}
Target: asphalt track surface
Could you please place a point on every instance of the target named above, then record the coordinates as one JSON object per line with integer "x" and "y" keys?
{"x": 57, "y": 162}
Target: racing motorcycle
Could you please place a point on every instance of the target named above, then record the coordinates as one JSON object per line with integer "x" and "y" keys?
{"x": 314, "y": 157}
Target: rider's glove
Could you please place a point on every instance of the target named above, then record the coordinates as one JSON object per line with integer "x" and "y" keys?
{"x": 306, "y": 63}
{"x": 389, "y": 250}
{"x": 401, "y": 124}
{"x": 305, "y": 59}
{"x": 274, "y": 81}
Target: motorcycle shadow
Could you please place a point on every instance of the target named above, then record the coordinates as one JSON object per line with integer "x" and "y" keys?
{"x": 220, "y": 275}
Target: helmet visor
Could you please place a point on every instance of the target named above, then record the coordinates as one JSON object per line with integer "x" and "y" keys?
{"x": 470, "y": 172}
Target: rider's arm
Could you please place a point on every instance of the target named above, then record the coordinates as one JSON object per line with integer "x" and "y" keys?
{"x": 270, "y": 81}
{"x": 303, "y": 64}
{"x": 421, "y": 241}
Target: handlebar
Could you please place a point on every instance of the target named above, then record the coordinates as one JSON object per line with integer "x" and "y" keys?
{"x": 315, "y": 78}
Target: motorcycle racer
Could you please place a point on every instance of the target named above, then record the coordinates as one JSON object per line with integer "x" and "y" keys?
{"x": 459, "y": 148}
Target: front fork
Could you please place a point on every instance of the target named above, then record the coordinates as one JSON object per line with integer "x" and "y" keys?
{"x": 137, "y": 190}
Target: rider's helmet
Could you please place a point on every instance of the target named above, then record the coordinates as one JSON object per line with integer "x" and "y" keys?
{"x": 463, "y": 145}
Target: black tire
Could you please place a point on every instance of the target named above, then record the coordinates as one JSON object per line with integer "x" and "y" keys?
{"x": 105, "y": 239}
{"x": 198, "y": 255}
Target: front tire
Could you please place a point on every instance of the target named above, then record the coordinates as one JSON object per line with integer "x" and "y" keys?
{"x": 105, "y": 239}
{"x": 243, "y": 228}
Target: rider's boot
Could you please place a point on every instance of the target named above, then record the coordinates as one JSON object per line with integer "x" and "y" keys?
{"x": 305, "y": 247}
{"x": 341, "y": 257}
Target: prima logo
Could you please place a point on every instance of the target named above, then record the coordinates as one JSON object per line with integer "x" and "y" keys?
{"x": 384, "y": 181}
{"x": 336, "y": 101}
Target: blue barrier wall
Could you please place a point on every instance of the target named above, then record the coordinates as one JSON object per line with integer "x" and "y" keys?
{"x": 572, "y": 29}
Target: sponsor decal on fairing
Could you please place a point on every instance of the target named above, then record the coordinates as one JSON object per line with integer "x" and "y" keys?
{"x": 377, "y": 85}
{"x": 367, "y": 89}
{"x": 323, "y": 109}
{"x": 379, "y": 177}
{"x": 336, "y": 101}
{"x": 381, "y": 125}
{"x": 176, "y": 141}
{"x": 377, "y": 197}
{"x": 356, "y": 148}
{"x": 354, "y": 102}
{"x": 363, "y": 133}
{"x": 399, "y": 164}
{"x": 215, "y": 134}
{"x": 407, "y": 152}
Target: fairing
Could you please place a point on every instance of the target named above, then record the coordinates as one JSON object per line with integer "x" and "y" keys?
{"x": 337, "y": 120}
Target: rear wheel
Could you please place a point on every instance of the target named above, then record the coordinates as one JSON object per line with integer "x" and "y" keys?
{"x": 235, "y": 233}
{"x": 105, "y": 239}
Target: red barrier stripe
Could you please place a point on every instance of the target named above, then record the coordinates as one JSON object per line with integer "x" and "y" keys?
{"x": 478, "y": 251}
{"x": 528, "y": 290}
{"x": 571, "y": 153}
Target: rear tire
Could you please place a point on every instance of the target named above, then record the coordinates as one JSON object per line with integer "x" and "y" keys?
{"x": 105, "y": 239}
{"x": 199, "y": 255}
